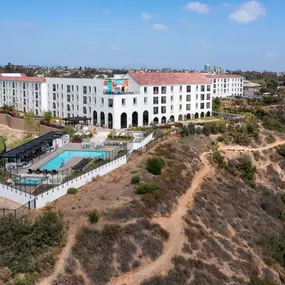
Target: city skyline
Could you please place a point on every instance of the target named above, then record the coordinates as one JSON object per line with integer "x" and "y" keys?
{"x": 234, "y": 35}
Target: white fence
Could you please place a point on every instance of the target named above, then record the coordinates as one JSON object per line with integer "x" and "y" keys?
{"x": 15, "y": 195}
{"x": 61, "y": 190}
{"x": 135, "y": 146}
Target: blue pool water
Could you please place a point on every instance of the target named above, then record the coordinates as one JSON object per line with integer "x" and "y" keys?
{"x": 31, "y": 181}
{"x": 66, "y": 155}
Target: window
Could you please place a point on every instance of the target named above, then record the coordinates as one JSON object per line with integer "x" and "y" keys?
{"x": 208, "y": 105}
{"x": 94, "y": 90}
{"x": 171, "y": 107}
{"x": 102, "y": 101}
{"x": 163, "y": 109}
{"x": 145, "y": 90}
{"x": 94, "y": 100}
{"x": 188, "y": 98}
{"x": 155, "y": 90}
{"x": 13, "y": 85}
{"x": 84, "y": 110}
{"x": 145, "y": 100}
{"x": 89, "y": 89}
{"x": 208, "y": 87}
{"x": 37, "y": 95}
{"x": 188, "y": 107}
{"x": 180, "y": 89}
{"x": 208, "y": 96}
{"x": 36, "y": 86}
{"x": 180, "y": 107}
{"x": 72, "y": 88}
{"x": 155, "y": 100}
{"x": 24, "y": 86}
{"x": 135, "y": 101}
{"x": 172, "y": 89}
{"x": 54, "y": 96}
{"x": 197, "y": 87}
{"x": 171, "y": 98}
{"x": 155, "y": 110}
{"x": 163, "y": 90}
{"x": 53, "y": 87}
{"x": 89, "y": 110}
{"x": 163, "y": 100}
{"x": 37, "y": 103}
{"x": 68, "y": 98}
{"x": 77, "y": 88}
{"x": 84, "y": 89}
{"x": 72, "y": 98}
{"x": 68, "y": 88}
{"x": 202, "y": 88}
{"x": 90, "y": 100}
{"x": 3, "y": 84}
{"x": 188, "y": 88}
{"x": 202, "y": 97}
{"x": 180, "y": 97}
{"x": 202, "y": 105}
{"x": 123, "y": 102}
{"x": 110, "y": 103}
{"x": 215, "y": 80}
{"x": 84, "y": 100}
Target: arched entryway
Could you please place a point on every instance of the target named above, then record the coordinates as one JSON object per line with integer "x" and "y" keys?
{"x": 102, "y": 119}
{"x": 208, "y": 114}
{"x": 202, "y": 115}
{"x": 163, "y": 120}
{"x": 145, "y": 118}
{"x": 180, "y": 118}
{"x": 155, "y": 120}
{"x": 124, "y": 121}
{"x": 188, "y": 116}
{"x": 110, "y": 121}
{"x": 196, "y": 116}
{"x": 95, "y": 118}
{"x": 171, "y": 119}
{"x": 135, "y": 119}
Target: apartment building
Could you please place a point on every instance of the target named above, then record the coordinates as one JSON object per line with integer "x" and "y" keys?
{"x": 226, "y": 85}
{"x": 135, "y": 99}
{"x": 28, "y": 94}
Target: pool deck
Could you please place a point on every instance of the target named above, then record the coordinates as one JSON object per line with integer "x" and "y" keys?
{"x": 70, "y": 163}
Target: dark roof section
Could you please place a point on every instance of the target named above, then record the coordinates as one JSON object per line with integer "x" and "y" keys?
{"x": 36, "y": 143}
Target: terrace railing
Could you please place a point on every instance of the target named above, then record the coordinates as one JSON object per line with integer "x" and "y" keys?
{"x": 20, "y": 212}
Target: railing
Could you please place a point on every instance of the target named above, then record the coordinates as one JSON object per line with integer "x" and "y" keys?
{"x": 121, "y": 93}
{"x": 20, "y": 212}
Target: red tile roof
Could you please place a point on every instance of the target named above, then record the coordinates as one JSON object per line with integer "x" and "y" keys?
{"x": 168, "y": 78}
{"x": 22, "y": 78}
{"x": 223, "y": 76}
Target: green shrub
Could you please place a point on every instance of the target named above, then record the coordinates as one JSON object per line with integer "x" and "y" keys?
{"x": 146, "y": 188}
{"x": 219, "y": 159}
{"x": 94, "y": 216}
{"x": 27, "y": 279}
{"x": 72, "y": 191}
{"x": 261, "y": 281}
{"x": 270, "y": 139}
{"x": 155, "y": 165}
{"x": 136, "y": 179}
{"x": 281, "y": 150}
{"x": 134, "y": 172}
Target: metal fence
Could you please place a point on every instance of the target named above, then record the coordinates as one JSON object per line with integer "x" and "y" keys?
{"x": 20, "y": 212}
{"x": 41, "y": 181}
{"x": 157, "y": 141}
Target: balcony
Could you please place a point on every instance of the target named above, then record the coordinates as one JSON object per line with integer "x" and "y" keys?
{"x": 120, "y": 93}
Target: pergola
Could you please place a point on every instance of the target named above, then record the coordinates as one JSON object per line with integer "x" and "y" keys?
{"x": 76, "y": 120}
{"x": 31, "y": 147}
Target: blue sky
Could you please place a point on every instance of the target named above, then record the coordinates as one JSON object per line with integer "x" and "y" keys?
{"x": 152, "y": 33}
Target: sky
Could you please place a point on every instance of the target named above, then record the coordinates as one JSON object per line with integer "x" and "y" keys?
{"x": 247, "y": 35}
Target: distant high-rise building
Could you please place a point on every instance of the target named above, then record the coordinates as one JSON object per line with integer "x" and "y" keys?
{"x": 207, "y": 68}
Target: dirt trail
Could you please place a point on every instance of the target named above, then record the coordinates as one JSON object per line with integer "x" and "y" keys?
{"x": 175, "y": 224}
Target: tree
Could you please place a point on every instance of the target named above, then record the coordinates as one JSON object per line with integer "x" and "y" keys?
{"x": 31, "y": 125}
{"x": 48, "y": 116}
{"x": 217, "y": 105}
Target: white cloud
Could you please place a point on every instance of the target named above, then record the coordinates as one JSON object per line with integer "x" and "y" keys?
{"x": 248, "y": 12}
{"x": 198, "y": 7}
{"x": 271, "y": 54}
{"x": 146, "y": 16}
{"x": 114, "y": 47}
{"x": 159, "y": 27}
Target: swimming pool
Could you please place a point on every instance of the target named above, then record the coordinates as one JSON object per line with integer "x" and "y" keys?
{"x": 66, "y": 155}
{"x": 30, "y": 181}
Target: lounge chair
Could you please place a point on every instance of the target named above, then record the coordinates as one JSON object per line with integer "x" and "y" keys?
{"x": 30, "y": 171}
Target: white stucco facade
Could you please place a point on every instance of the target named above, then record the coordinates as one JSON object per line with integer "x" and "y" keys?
{"x": 139, "y": 105}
